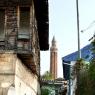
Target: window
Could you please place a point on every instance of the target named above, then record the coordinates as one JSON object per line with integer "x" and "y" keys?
{"x": 24, "y": 19}
{"x": 23, "y": 45}
{"x": 26, "y": 47}
{"x": 2, "y": 20}
{"x": 24, "y": 28}
{"x": 20, "y": 45}
{"x": 24, "y": 23}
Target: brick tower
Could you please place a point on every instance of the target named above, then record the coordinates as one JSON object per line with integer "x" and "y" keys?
{"x": 53, "y": 59}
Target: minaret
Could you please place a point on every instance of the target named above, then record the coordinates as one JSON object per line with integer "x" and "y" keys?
{"x": 53, "y": 59}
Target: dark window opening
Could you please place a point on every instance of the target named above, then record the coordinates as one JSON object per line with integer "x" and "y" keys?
{"x": 2, "y": 20}
{"x": 24, "y": 23}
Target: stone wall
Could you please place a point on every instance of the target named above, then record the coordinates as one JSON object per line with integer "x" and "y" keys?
{"x": 7, "y": 72}
{"x": 14, "y": 73}
{"x": 25, "y": 82}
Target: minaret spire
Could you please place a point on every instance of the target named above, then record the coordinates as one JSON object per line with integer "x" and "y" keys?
{"x": 53, "y": 42}
{"x": 53, "y": 59}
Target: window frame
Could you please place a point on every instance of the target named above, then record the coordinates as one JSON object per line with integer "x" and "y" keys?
{"x": 4, "y": 24}
{"x": 19, "y": 26}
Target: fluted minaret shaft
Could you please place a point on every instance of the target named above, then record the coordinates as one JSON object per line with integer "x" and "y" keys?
{"x": 53, "y": 59}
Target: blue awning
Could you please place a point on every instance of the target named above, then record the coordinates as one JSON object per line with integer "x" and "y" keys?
{"x": 85, "y": 54}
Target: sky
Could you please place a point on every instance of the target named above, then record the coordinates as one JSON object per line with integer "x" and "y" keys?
{"x": 63, "y": 25}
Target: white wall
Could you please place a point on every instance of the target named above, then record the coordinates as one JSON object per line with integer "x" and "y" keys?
{"x": 26, "y": 83}
{"x": 13, "y": 72}
{"x": 11, "y": 91}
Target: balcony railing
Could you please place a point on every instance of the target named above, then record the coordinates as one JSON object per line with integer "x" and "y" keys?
{"x": 23, "y": 36}
{"x": 18, "y": 44}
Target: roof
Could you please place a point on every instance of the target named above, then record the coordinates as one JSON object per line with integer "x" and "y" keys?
{"x": 41, "y": 11}
{"x": 85, "y": 54}
{"x": 41, "y": 7}
{"x": 14, "y": 2}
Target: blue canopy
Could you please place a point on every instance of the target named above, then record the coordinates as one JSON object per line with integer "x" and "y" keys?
{"x": 85, "y": 54}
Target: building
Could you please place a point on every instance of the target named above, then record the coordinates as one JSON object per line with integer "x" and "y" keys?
{"x": 23, "y": 33}
{"x": 69, "y": 71}
{"x": 55, "y": 87}
{"x": 85, "y": 54}
{"x": 49, "y": 81}
{"x": 53, "y": 59}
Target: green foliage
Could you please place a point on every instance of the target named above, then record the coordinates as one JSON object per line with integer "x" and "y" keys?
{"x": 82, "y": 77}
{"x": 86, "y": 76}
{"x": 93, "y": 49}
{"x": 92, "y": 71}
{"x": 44, "y": 91}
{"x": 91, "y": 75}
{"x": 46, "y": 76}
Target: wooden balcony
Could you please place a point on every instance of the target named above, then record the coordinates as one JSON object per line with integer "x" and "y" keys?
{"x": 23, "y": 36}
{"x": 28, "y": 61}
{"x": 17, "y": 46}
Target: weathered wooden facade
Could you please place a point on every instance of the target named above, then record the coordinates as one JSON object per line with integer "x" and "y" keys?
{"x": 18, "y": 21}
{"x": 23, "y": 33}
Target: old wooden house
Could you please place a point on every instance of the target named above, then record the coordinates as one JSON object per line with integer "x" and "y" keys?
{"x": 23, "y": 33}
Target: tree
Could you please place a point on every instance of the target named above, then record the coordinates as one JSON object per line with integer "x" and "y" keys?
{"x": 93, "y": 50}
{"x": 46, "y": 76}
{"x": 91, "y": 71}
{"x": 86, "y": 76}
{"x": 82, "y": 77}
{"x": 45, "y": 91}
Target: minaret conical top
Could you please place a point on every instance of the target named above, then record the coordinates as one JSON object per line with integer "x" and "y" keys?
{"x": 53, "y": 42}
